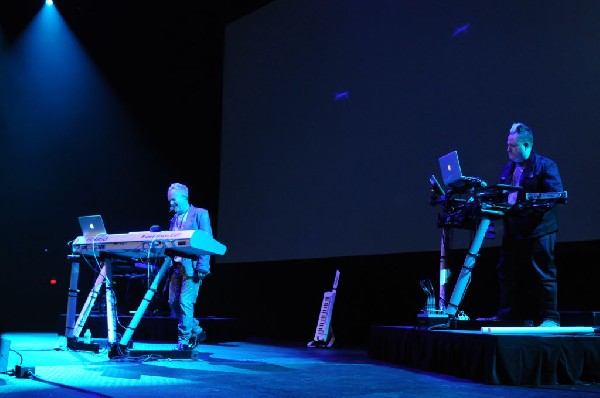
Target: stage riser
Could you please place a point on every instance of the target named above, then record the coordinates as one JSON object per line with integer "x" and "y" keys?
{"x": 510, "y": 359}
{"x": 162, "y": 328}
{"x": 567, "y": 318}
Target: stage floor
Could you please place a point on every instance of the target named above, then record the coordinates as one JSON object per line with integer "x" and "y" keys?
{"x": 528, "y": 357}
{"x": 250, "y": 368}
{"x": 161, "y": 328}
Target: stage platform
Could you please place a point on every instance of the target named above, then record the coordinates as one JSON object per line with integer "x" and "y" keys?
{"x": 506, "y": 359}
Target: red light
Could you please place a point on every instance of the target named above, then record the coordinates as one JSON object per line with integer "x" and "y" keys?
{"x": 53, "y": 281}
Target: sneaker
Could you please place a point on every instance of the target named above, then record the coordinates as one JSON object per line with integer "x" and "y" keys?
{"x": 196, "y": 339}
{"x": 184, "y": 346}
{"x": 549, "y": 323}
{"x": 201, "y": 336}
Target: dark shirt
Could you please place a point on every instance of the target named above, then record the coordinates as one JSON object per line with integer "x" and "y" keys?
{"x": 539, "y": 175}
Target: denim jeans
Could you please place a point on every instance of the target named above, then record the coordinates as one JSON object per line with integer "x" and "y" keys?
{"x": 183, "y": 293}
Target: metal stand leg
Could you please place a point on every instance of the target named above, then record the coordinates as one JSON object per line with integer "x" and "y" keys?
{"x": 89, "y": 303}
{"x": 74, "y": 328}
{"x": 72, "y": 296}
{"x": 111, "y": 311}
{"x": 145, "y": 302}
{"x": 465, "y": 273}
{"x": 444, "y": 269}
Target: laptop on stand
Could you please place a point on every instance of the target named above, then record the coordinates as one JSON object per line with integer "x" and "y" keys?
{"x": 450, "y": 169}
{"x": 92, "y": 225}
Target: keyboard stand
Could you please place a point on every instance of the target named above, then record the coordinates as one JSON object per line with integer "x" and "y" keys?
{"x": 73, "y": 328}
{"x": 462, "y": 282}
{"x": 464, "y": 278}
{"x": 444, "y": 268}
{"x": 144, "y": 304}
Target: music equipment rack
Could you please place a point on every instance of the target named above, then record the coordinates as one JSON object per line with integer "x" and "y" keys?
{"x": 104, "y": 248}
{"x": 485, "y": 203}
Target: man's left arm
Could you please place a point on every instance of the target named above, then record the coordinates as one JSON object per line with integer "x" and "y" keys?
{"x": 204, "y": 222}
{"x": 552, "y": 181}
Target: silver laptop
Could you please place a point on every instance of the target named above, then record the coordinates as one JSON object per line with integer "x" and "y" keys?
{"x": 92, "y": 225}
{"x": 450, "y": 169}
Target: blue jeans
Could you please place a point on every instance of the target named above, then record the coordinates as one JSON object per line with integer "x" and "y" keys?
{"x": 183, "y": 293}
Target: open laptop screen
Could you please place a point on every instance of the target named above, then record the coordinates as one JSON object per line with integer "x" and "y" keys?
{"x": 92, "y": 225}
{"x": 450, "y": 168}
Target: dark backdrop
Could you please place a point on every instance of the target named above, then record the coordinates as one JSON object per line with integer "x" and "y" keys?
{"x": 335, "y": 113}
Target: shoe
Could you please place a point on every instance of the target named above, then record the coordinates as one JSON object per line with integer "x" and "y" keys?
{"x": 196, "y": 339}
{"x": 201, "y": 337}
{"x": 549, "y": 323}
{"x": 495, "y": 318}
{"x": 185, "y": 346}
